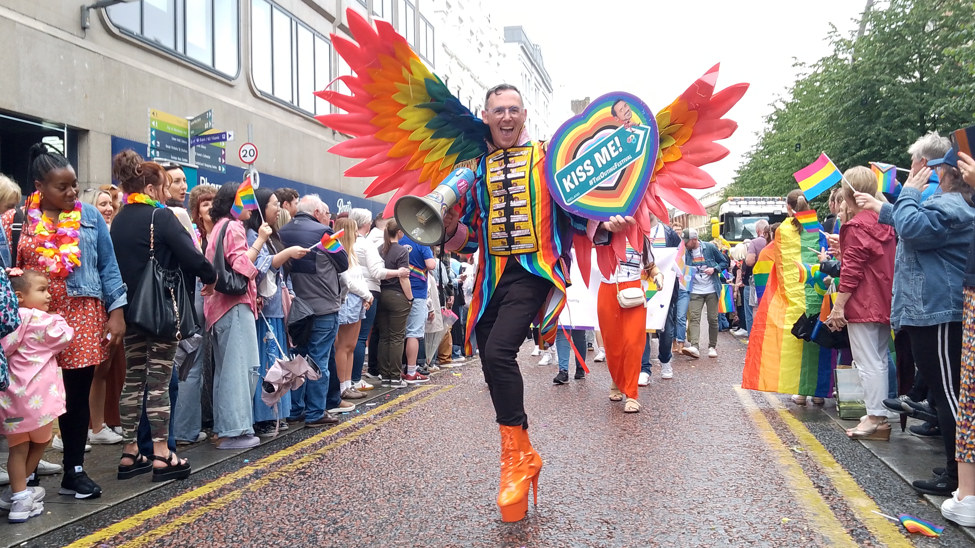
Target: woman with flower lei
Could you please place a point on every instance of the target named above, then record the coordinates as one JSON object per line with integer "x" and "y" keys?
{"x": 69, "y": 242}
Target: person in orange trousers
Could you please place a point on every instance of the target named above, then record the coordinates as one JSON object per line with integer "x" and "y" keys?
{"x": 624, "y": 329}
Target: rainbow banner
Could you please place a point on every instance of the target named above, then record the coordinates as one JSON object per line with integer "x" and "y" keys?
{"x": 818, "y": 177}
{"x": 777, "y": 361}
{"x": 886, "y": 176}
{"x": 726, "y": 303}
{"x": 808, "y": 219}
{"x": 245, "y": 199}
{"x": 331, "y": 243}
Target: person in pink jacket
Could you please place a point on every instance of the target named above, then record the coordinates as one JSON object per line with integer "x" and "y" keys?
{"x": 36, "y": 395}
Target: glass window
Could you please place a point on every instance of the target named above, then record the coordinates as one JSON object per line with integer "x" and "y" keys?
{"x": 203, "y": 31}
{"x": 281, "y": 54}
{"x": 408, "y": 23}
{"x": 290, "y": 61}
{"x": 382, "y": 8}
{"x": 425, "y": 43}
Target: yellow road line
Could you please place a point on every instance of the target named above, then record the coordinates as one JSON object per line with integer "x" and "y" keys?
{"x": 202, "y": 491}
{"x": 809, "y": 498}
{"x": 862, "y": 505}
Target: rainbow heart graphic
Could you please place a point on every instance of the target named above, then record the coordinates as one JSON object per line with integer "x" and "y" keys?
{"x": 600, "y": 163}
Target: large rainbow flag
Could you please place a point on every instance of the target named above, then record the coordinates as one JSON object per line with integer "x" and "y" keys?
{"x": 776, "y": 360}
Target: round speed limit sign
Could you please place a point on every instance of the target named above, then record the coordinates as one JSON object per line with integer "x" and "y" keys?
{"x": 248, "y": 153}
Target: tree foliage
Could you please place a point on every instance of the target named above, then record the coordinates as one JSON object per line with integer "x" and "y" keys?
{"x": 908, "y": 74}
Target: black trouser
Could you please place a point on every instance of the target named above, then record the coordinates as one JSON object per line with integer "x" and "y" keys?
{"x": 372, "y": 362}
{"x": 937, "y": 352}
{"x": 517, "y": 299}
{"x": 74, "y": 422}
{"x": 391, "y": 317}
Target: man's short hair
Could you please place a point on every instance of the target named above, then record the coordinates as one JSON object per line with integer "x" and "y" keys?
{"x": 930, "y": 147}
{"x": 613, "y": 108}
{"x": 760, "y": 227}
{"x": 311, "y": 204}
{"x": 286, "y": 195}
{"x": 496, "y": 90}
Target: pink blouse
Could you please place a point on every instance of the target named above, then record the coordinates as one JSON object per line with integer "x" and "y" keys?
{"x": 235, "y": 250}
{"x": 36, "y": 393}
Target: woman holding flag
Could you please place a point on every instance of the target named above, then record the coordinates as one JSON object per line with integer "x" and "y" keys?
{"x": 231, "y": 318}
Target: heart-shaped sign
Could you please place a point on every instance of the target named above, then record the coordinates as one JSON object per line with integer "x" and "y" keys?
{"x": 600, "y": 162}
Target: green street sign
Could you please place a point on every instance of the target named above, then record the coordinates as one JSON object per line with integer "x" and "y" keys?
{"x": 600, "y": 162}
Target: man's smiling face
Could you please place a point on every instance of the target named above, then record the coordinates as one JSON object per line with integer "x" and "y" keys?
{"x": 505, "y": 115}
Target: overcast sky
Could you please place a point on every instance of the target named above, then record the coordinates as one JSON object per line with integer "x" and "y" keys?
{"x": 655, "y": 49}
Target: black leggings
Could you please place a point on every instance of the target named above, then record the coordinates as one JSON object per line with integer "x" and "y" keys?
{"x": 74, "y": 422}
{"x": 937, "y": 353}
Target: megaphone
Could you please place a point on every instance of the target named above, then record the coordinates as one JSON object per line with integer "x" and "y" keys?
{"x": 421, "y": 219}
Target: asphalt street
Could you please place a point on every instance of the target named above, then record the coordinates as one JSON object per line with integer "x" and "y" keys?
{"x": 703, "y": 464}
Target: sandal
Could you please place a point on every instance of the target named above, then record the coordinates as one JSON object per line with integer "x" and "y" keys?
{"x": 799, "y": 400}
{"x": 880, "y": 431}
{"x": 614, "y": 393}
{"x": 178, "y": 471}
{"x": 632, "y": 406}
{"x": 140, "y": 465}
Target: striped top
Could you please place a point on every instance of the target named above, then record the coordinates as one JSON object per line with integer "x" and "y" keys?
{"x": 629, "y": 270}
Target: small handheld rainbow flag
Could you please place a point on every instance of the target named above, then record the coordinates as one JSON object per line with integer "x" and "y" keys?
{"x": 917, "y": 525}
{"x": 810, "y": 275}
{"x": 330, "y": 242}
{"x": 726, "y": 303}
{"x": 818, "y": 177}
{"x": 245, "y": 199}
{"x": 886, "y": 176}
{"x": 681, "y": 268}
{"x": 809, "y": 220}
{"x": 836, "y": 226}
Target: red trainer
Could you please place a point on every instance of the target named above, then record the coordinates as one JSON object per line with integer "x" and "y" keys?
{"x": 415, "y": 378}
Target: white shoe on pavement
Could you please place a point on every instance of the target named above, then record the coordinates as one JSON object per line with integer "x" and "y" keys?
{"x": 692, "y": 351}
{"x": 600, "y": 356}
{"x": 546, "y": 358}
{"x": 458, "y": 361}
{"x": 537, "y": 351}
{"x": 246, "y": 441}
{"x": 644, "y": 379}
{"x": 740, "y": 333}
{"x": 6, "y": 498}
{"x": 363, "y": 386}
{"x": 105, "y": 436}
{"x": 961, "y": 511}
{"x": 58, "y": 445}
{"x": 45, "y": 468}
{"x": 712, "y": 352}
{"x": 666, "y": 370}
{"x": 117, "y": 430}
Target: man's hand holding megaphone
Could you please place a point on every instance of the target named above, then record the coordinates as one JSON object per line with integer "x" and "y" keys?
{"x": 450, "y": 221}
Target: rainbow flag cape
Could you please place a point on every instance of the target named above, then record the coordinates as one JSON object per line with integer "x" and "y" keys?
{"x": 331, "y": 243}
{"x": 726, "y": 303}
{"x": 777, "y": 361}
{"x": 918, "y": 525}
{"x": 886, "y": 176}
{"x": 810, "y": 275}
{"x": 809, "y": 220}
{"x": 245, "y": 199}
{"x": 761, "y": 271}
{"x": 818, "y": 177}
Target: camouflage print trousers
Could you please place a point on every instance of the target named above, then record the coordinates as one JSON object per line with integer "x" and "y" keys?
{"x": 149, "y": 369}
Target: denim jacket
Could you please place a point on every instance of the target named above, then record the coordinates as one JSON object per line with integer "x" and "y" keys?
{"x": 931, "y": 254}
{"x": 5, "y": 251}
{"x": 98, "y": 276}
{"x": 712, "y": 258}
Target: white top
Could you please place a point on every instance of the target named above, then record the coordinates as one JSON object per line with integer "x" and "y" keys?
{"x": 371, "y": 264}
{"x": 356, "y": 281}
{"x": 702, "y": 284}
{"x": 629, "y": 269}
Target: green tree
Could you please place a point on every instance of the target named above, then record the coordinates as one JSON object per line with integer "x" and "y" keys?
{"x": 872, "y": 97}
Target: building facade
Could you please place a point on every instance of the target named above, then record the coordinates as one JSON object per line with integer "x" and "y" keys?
{"x": 253, "y": 64}
{"x": 525, "y": 68}
{"x": 472, "y": 51}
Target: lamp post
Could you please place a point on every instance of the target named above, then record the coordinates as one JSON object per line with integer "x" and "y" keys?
{"x": 85, "y": 9}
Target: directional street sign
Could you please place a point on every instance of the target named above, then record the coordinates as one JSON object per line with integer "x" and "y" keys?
{"x": 211, "y": 157}
{"x": 209, "y": 138}
{"x": 201, "y": 123}
{"x": 601, "y": 161}
{"x": 168, "y": 137}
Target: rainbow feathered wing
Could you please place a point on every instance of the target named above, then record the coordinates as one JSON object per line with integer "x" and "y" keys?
{"x": 410, "y": 131}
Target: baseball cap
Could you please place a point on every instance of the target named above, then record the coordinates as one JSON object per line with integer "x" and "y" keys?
{"x": 690, "y": 234}
{"x": 950, "y": 158}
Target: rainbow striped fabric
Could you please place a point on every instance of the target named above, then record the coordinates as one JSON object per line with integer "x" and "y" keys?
{"x": 776, "y": 361}
{"x": 809, "y": 220}
{"x": 418, "y": 272}
{"x": 245, "y": 199}
{"x": 918, "y": 525}
{"x": 886, "y": 176}
{"x": 810, "y": 275}
{"x": 726, "y": 303}
{"x": 818, "y": 177}
{"x": 331, "y": 243}
{"x": 681, "y": 268}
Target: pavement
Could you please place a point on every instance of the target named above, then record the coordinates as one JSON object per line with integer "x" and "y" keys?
{"x": 703, "y": 464}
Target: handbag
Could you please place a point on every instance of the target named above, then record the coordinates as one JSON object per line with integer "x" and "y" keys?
{"x": 631, "y": 297}
{"x": 160, "y": 305}
{"x": 229, "y": 281}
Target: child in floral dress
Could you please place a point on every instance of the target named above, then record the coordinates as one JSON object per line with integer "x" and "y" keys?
{"x": 35, "y": 396}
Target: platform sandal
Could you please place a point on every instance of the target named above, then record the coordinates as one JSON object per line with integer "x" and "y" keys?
{"x": 140, "y": 465}
{"x": 632, "y": 406}
{"x": 178, "y": 471}
{"x": 614, "y": 393}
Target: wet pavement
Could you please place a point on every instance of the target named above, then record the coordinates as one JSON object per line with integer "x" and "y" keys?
{"x": 703, "y": 464}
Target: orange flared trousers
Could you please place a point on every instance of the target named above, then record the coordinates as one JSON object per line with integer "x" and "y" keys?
{"x": 624, "y": 336}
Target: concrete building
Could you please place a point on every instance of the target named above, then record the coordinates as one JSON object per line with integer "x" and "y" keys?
{"x": 472, "y": 50}
{"x": 252, "y": 63}
{"x": 525, "y": 68}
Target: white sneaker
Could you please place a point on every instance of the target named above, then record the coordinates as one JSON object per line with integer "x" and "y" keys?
{"x": 22, "y": 510}
{"x": 644, "y": 379}
{"x": 104, "y": 437}
{"x": 961, "y": 511}
{"x": 740, "y": 333}
{"x": 58, "y": 445}
{"x": 457, "y": 361}
{"x": 362, "y": 385}
{"x": 537, "y": 351}
{"x": 692, "y": 352}
{"x": 546, "y": 358}
{"x": 45, "y": 468}
{"x": 600, "y": 356}
{"x": 666, "y": 371}
{"x": 117, "y": 430}
{"x": 712, "y": 352}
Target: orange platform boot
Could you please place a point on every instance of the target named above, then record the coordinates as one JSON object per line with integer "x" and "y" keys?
{"x": 520, "y": 467}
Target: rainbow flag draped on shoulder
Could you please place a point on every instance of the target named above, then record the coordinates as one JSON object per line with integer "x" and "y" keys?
{"x": 776, "y": 360}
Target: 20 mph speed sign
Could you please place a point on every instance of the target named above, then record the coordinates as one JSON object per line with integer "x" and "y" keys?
{"x": 248, "y": 153}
